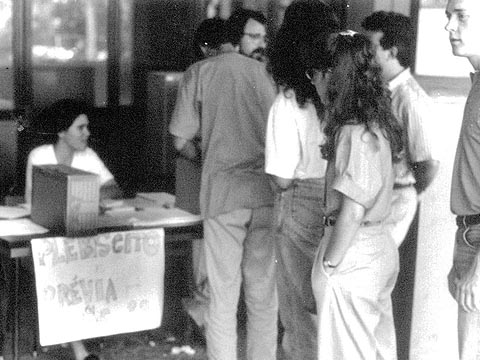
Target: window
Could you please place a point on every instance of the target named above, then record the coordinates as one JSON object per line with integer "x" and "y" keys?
{"x": 6, "y": 55}
{"x": 69, "y": 50}
{"x": 126, "y": 49}
{"x": 434, "y": 53}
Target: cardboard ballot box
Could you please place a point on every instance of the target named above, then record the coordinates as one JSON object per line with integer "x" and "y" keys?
{"x": 65, "y": 199}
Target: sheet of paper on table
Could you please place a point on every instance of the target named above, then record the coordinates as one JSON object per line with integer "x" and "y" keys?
{"x": 161, "y": 199}
{"x": 160, "y": 217}
{"x": 19, "y": 227}
{"x": 148, "y": 210}
{"x": 13, "y": 212}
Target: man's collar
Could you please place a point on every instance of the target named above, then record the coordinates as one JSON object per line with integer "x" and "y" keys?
{"x": 399, "y": 79}
{"x": 474, "y": 75}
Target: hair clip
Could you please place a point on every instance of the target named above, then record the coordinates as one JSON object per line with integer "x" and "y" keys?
{"x": 347, "y": 33}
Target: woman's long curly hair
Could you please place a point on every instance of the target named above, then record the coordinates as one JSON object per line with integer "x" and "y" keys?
{"x": 356, "y": 93}
{"x": 289, "y": 52}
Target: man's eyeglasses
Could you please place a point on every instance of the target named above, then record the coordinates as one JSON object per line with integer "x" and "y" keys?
{"x": 257, "y": 36}
{"x": 310, "y": 73}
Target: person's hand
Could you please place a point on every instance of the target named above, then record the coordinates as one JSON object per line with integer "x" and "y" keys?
{"x": 452, "y": 277}
{"x": 328, "y": 269}
{"x": 467, "y": 289}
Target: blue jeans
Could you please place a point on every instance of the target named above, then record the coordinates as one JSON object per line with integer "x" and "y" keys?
{"x": 467, "y": 246}
{"x": 299, "y": 228}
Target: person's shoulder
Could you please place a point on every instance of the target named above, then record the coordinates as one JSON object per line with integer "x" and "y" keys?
{"x": 419, "y": 91}
{"x": 236, "y": 59}
{"x": 284, "y": 102}
{"x": 359, "y": 132}
{"x": 88, "y": 152}
{"x": 213, "y": 63}
{"x": 352, "y": 129}
{"x": 409, "y": 89}
{"x": 285, "y": 97}
{"x": 87, "y": 155}
{"x": 193, "y": 70}
{"x": 41, "y": 150}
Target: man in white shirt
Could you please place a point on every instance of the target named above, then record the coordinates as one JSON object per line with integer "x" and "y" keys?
{"x": 392, "y": 36}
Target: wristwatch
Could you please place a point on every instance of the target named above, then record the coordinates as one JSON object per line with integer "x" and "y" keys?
{"x": 328, "y": 264}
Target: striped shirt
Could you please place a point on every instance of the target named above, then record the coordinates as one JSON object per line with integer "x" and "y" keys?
{"x": 413, "y": 109}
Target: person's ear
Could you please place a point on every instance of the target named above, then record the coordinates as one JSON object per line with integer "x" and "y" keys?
{"x": 393, "y": 52}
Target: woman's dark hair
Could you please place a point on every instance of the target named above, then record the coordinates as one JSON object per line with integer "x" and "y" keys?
{"x": 289, "y": 53}
{"x": 356, "y": 92}
{"x": 60, "y": 115}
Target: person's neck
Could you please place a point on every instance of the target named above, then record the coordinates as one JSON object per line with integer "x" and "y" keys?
{"x": 63, "y": 153}
{"x": 226, "y": 47}
{"x": 393, "y": 71}
{"x": 475, "y": 61}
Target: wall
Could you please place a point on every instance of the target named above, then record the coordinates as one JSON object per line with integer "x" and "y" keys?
{"x": 359, "y": 9}
{"x": 434, "y": 53}
{"x": 8, "y": 154}
{"x": 402, "y": 7}
{"x": 433, "y": 334}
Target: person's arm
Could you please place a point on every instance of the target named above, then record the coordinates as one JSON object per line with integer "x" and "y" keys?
{"x": 466, "y": 290}
{"x": 280, "y": 183}
{"x": 186, "y": 148}
{"x": 110, "y": 190}
{"x": 185, "y": 122}
{"x": 424, "y": 173}
{"x": 346, "y": 226}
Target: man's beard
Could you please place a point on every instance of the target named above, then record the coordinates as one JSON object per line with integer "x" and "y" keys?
{"x": 259, "y": 54}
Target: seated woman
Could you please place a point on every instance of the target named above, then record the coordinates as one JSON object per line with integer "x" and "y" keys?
{"x": 357, "y": 264}
{"x": 68, "y": 119}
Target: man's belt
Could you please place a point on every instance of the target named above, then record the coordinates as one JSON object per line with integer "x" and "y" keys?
{"x": 330, "y": 220}
{"x": 401, "y": 186}
{"x": 468, "y": 220}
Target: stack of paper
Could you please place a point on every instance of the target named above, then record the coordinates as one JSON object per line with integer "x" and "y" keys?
{"x": 157, "y": 199}
{"x": 19, "y": 227}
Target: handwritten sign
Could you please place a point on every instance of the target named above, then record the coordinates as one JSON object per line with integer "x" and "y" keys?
{"x": 99, "y": 285}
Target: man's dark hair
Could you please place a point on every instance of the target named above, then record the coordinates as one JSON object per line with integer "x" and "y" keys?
{"x": 210, "y": 33}
{"x": 235, "y": 25}
{"x": 397, "y": 31}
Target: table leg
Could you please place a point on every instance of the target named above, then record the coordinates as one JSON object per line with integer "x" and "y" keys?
{"x": 15, "y": 310}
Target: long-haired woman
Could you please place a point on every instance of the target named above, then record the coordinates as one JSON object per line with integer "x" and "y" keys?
{"x": 357, "y": 263}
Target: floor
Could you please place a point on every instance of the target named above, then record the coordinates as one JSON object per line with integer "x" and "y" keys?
{"x": 177, "y": 339}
